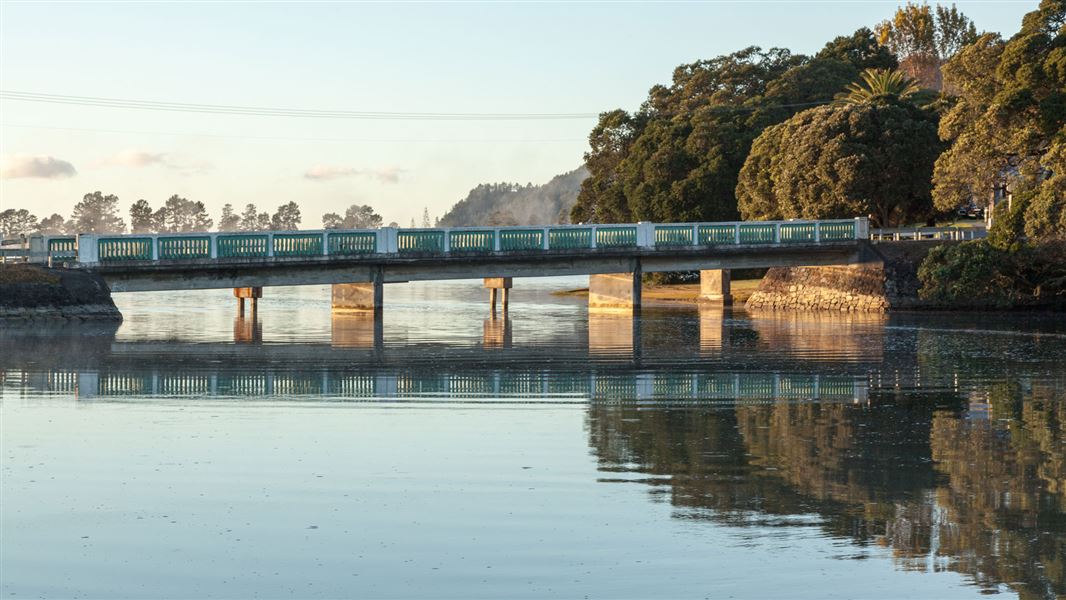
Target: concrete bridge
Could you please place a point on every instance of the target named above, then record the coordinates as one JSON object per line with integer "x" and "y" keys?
{"x": 357, "y": 263}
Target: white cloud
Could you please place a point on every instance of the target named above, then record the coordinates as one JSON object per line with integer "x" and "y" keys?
{"x": 139, "y": 158}
{"x": 41, "y": 166}
{"x": 383, "y": 174}
{"x": 134, "y": 158}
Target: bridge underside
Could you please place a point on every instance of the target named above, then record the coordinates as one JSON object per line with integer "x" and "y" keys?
{"x": 253, "y": 273}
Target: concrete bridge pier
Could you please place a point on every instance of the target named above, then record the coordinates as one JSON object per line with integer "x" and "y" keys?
{"x": 495, "y": 284}
{"x": 715, "y": 287}
{"x": 253, "y": 293}
{"x": 360, "y": 297}
{"x": 615, "y": 290}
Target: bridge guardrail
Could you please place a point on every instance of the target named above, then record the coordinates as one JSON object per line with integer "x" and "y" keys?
{"x": 93, "y": 249}
{"x": 900, "y": 234}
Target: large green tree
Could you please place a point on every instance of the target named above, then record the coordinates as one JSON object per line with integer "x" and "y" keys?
{"x": 1008, "y": 125}
{"x": 678, "y": 157}
{"x": 97, "y": 213}
{"x": 842, "y": 161}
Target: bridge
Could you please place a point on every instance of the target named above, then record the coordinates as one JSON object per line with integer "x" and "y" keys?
{"x": 357, "y": 263}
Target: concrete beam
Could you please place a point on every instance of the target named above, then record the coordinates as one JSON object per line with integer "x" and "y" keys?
{"x": 498, "y": 283}
{"x": 213, "y": 274}
{"x": 715, "y": 287}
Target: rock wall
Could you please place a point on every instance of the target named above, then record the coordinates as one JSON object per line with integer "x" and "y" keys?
{"x": 32, "y": 292}
{"x": 887, "y": 279}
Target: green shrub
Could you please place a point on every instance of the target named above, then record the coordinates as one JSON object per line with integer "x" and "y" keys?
{"x": 983, "y": 274}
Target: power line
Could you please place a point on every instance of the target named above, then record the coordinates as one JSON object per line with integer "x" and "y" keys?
{"x": 280, "y": 111}
{"x": 299, "y": 138}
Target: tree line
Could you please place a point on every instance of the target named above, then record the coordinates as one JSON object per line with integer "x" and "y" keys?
{"x": 903, "y": 123}
{"x": 100, "y": 213}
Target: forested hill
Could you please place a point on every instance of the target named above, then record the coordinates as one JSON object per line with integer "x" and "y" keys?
{"x": 516, "y": 204}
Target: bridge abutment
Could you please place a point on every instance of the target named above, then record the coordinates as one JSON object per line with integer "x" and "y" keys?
{"x": 715, "y": 287}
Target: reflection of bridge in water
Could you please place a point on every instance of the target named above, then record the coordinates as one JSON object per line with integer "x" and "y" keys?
{"x": 496, "y": 384}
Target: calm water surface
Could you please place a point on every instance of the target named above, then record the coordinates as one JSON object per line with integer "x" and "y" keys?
{"x": 548, "y": 453}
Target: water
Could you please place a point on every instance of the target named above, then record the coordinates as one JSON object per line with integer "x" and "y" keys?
{"x": 551, "y": 453}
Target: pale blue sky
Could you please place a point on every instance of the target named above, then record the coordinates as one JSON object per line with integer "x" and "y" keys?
{"x": 447, "y": 57}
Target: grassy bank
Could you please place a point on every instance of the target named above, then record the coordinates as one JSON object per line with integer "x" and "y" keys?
{"x": 26, "y": 274}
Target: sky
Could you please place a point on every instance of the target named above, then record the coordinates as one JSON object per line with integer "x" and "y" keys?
{"x": 471, "y": 57}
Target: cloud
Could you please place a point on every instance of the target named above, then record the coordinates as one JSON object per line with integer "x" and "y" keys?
{"x": 134, "y": 158}
{"x": 324, "y": 172}
{"x": 139, "y": 158}
{"x": 41, "y": 166}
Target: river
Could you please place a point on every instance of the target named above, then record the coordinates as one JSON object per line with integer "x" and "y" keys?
{"x": 690, "y": 453}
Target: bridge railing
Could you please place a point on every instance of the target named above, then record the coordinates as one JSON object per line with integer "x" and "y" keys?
{"x": 105, "y": 248}
{"x": 900, "y": 234}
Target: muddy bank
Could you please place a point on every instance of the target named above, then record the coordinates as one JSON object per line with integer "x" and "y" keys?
{"x": 30, "y": 292}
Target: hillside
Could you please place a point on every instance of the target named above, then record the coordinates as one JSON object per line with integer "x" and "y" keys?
{"x": 515, "y": 204}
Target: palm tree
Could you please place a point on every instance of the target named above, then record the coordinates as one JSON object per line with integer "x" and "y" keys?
{"x": 879, "y": 84}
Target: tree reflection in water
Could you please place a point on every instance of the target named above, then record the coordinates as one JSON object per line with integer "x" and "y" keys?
{"x": 977, "y": 489}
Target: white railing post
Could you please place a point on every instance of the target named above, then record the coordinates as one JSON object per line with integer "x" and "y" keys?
{"x": 862, "y": 228}
{"x": 544, "y": 240}
{"x": 154, "y": 250}
{"x": 325, "y": 243}
{"x": 777, "y": 233}
{"x": 645, "y": 234}
{"x": 593, "y": 240}
{"x": 212, "y": 246}
{"x": 447, "y": 240}
{"x": 695, "y": 234}
{"x": 736, "y": 233}
{"x": 88, "y": 251}
{"x": 817, "y": 232}
{"x": 270, "y": 243}
{"x": 495, "y": 239}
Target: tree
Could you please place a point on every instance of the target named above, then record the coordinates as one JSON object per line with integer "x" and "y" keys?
{"x": 1008, "y": 125}
{"x": 923, "y": 39}
{"x": 286, "y": 218}
{"x": 842, "y": 161}
{"x": 179, "y": 215}
{"x": 53, "y": 225}
{"x": 356, "y": 217}
{"x": 17, "y": 222}
{"x": 97, "y": 213}
{"x": 142, "y": 219}
{"x": 861, "y": 50}
{"x": 425, "y": 218}
{"x": 678, "y": 157}
{"x": 252, "y": 220}
{"x": 878, "y": 85}
{"x": 230, "y": 221}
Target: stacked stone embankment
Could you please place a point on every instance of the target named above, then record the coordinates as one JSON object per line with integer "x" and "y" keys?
{"x": 888, "y": 279}
{"x": 32, "y": 292}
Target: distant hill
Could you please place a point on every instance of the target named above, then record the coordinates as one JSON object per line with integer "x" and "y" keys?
{"x": 516, "y": 204}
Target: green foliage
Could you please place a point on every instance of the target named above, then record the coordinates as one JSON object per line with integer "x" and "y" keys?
{"x": 180, "y": 215}
{"x": 142, "y": 218}
{"x": 861, "y": 50}
{"x": 17, "y": 222}
{"x": 53, "y": 225}
{"x": 229, "y": 221}
{"x": 287, "y": 217}
{"x": 253, "y": 220}
{"x": 980, "y": 274}
{"x": 97, "y": 213}
{"x": 1008, "y": 223}
{"x": 923, "y": 39}
{"x": 356, "y": 217}
{"x": 879, "y": 85}
{"x": 840, "y": 161}
{"x": 1009, "y": 122}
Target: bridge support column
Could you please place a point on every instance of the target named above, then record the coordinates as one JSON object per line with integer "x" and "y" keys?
{"x": 615, "y": 290}
{"x": 359, "y": 296}
{"x": 252, "y": 293}
{"x": 494, "y": 284}
{"x": 715, "y": 288}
